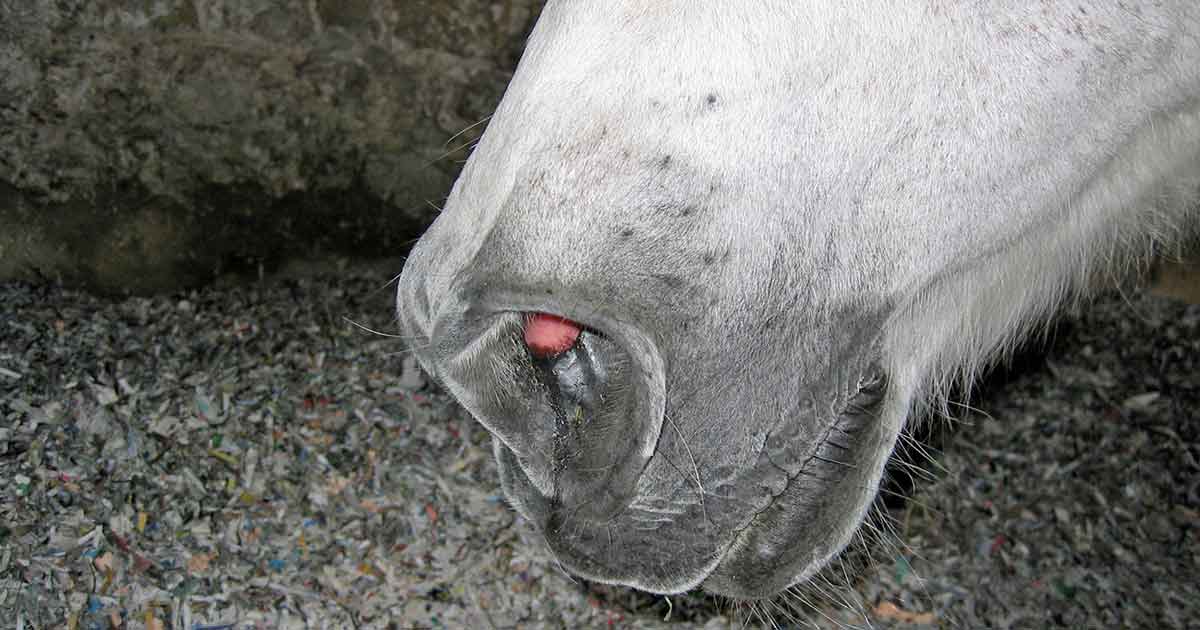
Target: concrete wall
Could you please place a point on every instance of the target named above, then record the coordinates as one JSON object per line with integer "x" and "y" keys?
{"x": 148, "y": 145}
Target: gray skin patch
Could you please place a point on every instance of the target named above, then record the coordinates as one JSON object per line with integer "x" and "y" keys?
{"x": 779, "y": 223}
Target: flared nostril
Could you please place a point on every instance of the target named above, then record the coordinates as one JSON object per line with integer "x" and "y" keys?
{"x": 578, "y": 377}
{"x": 594, "y": 435}
{"x": 549, "y": 335}
{"x": 576, "y": 409}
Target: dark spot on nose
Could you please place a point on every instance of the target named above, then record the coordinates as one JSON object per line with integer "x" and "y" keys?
{"x": 675, "y": 209}
{"x": 672, "y": 281}
{"x": 714, "y": 256}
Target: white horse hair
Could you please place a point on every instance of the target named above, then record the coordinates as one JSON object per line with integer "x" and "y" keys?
{"x": 783, "y": 226}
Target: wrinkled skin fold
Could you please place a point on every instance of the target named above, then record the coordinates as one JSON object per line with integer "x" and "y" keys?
{"x": 782, "y": 226}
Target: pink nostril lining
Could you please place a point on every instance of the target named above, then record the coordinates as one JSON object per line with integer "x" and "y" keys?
{"x": 548, "y": 335}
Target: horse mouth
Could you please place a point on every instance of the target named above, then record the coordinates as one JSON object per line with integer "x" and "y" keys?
{"x": 776, "y": 524}
{"x": 825, "y": 498}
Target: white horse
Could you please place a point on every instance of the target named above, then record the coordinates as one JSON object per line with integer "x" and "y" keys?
{"x": 772, "y": 230}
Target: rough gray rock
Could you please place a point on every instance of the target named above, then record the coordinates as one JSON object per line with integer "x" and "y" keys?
{"x": 147, "y": 143}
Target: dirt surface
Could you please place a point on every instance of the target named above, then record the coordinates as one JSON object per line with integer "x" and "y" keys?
{"x": 1072, "y": 494}
{"x": 245, "y": 456}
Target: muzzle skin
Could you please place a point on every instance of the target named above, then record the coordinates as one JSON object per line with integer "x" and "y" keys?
{"x": 707, "y": 258}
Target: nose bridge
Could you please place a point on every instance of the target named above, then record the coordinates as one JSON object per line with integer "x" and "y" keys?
{"x": 554, "y": 252}
{"x": 454, "y": 264}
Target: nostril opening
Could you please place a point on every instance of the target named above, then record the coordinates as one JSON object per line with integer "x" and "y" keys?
{"x": 576, "y": 411}
{"x": 576, "y": 377}
{"x": 549, "y": 335}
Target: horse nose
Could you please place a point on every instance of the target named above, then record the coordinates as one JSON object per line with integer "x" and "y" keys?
{"x": 569, "y": 385}
{"x": 574, "y": 413}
